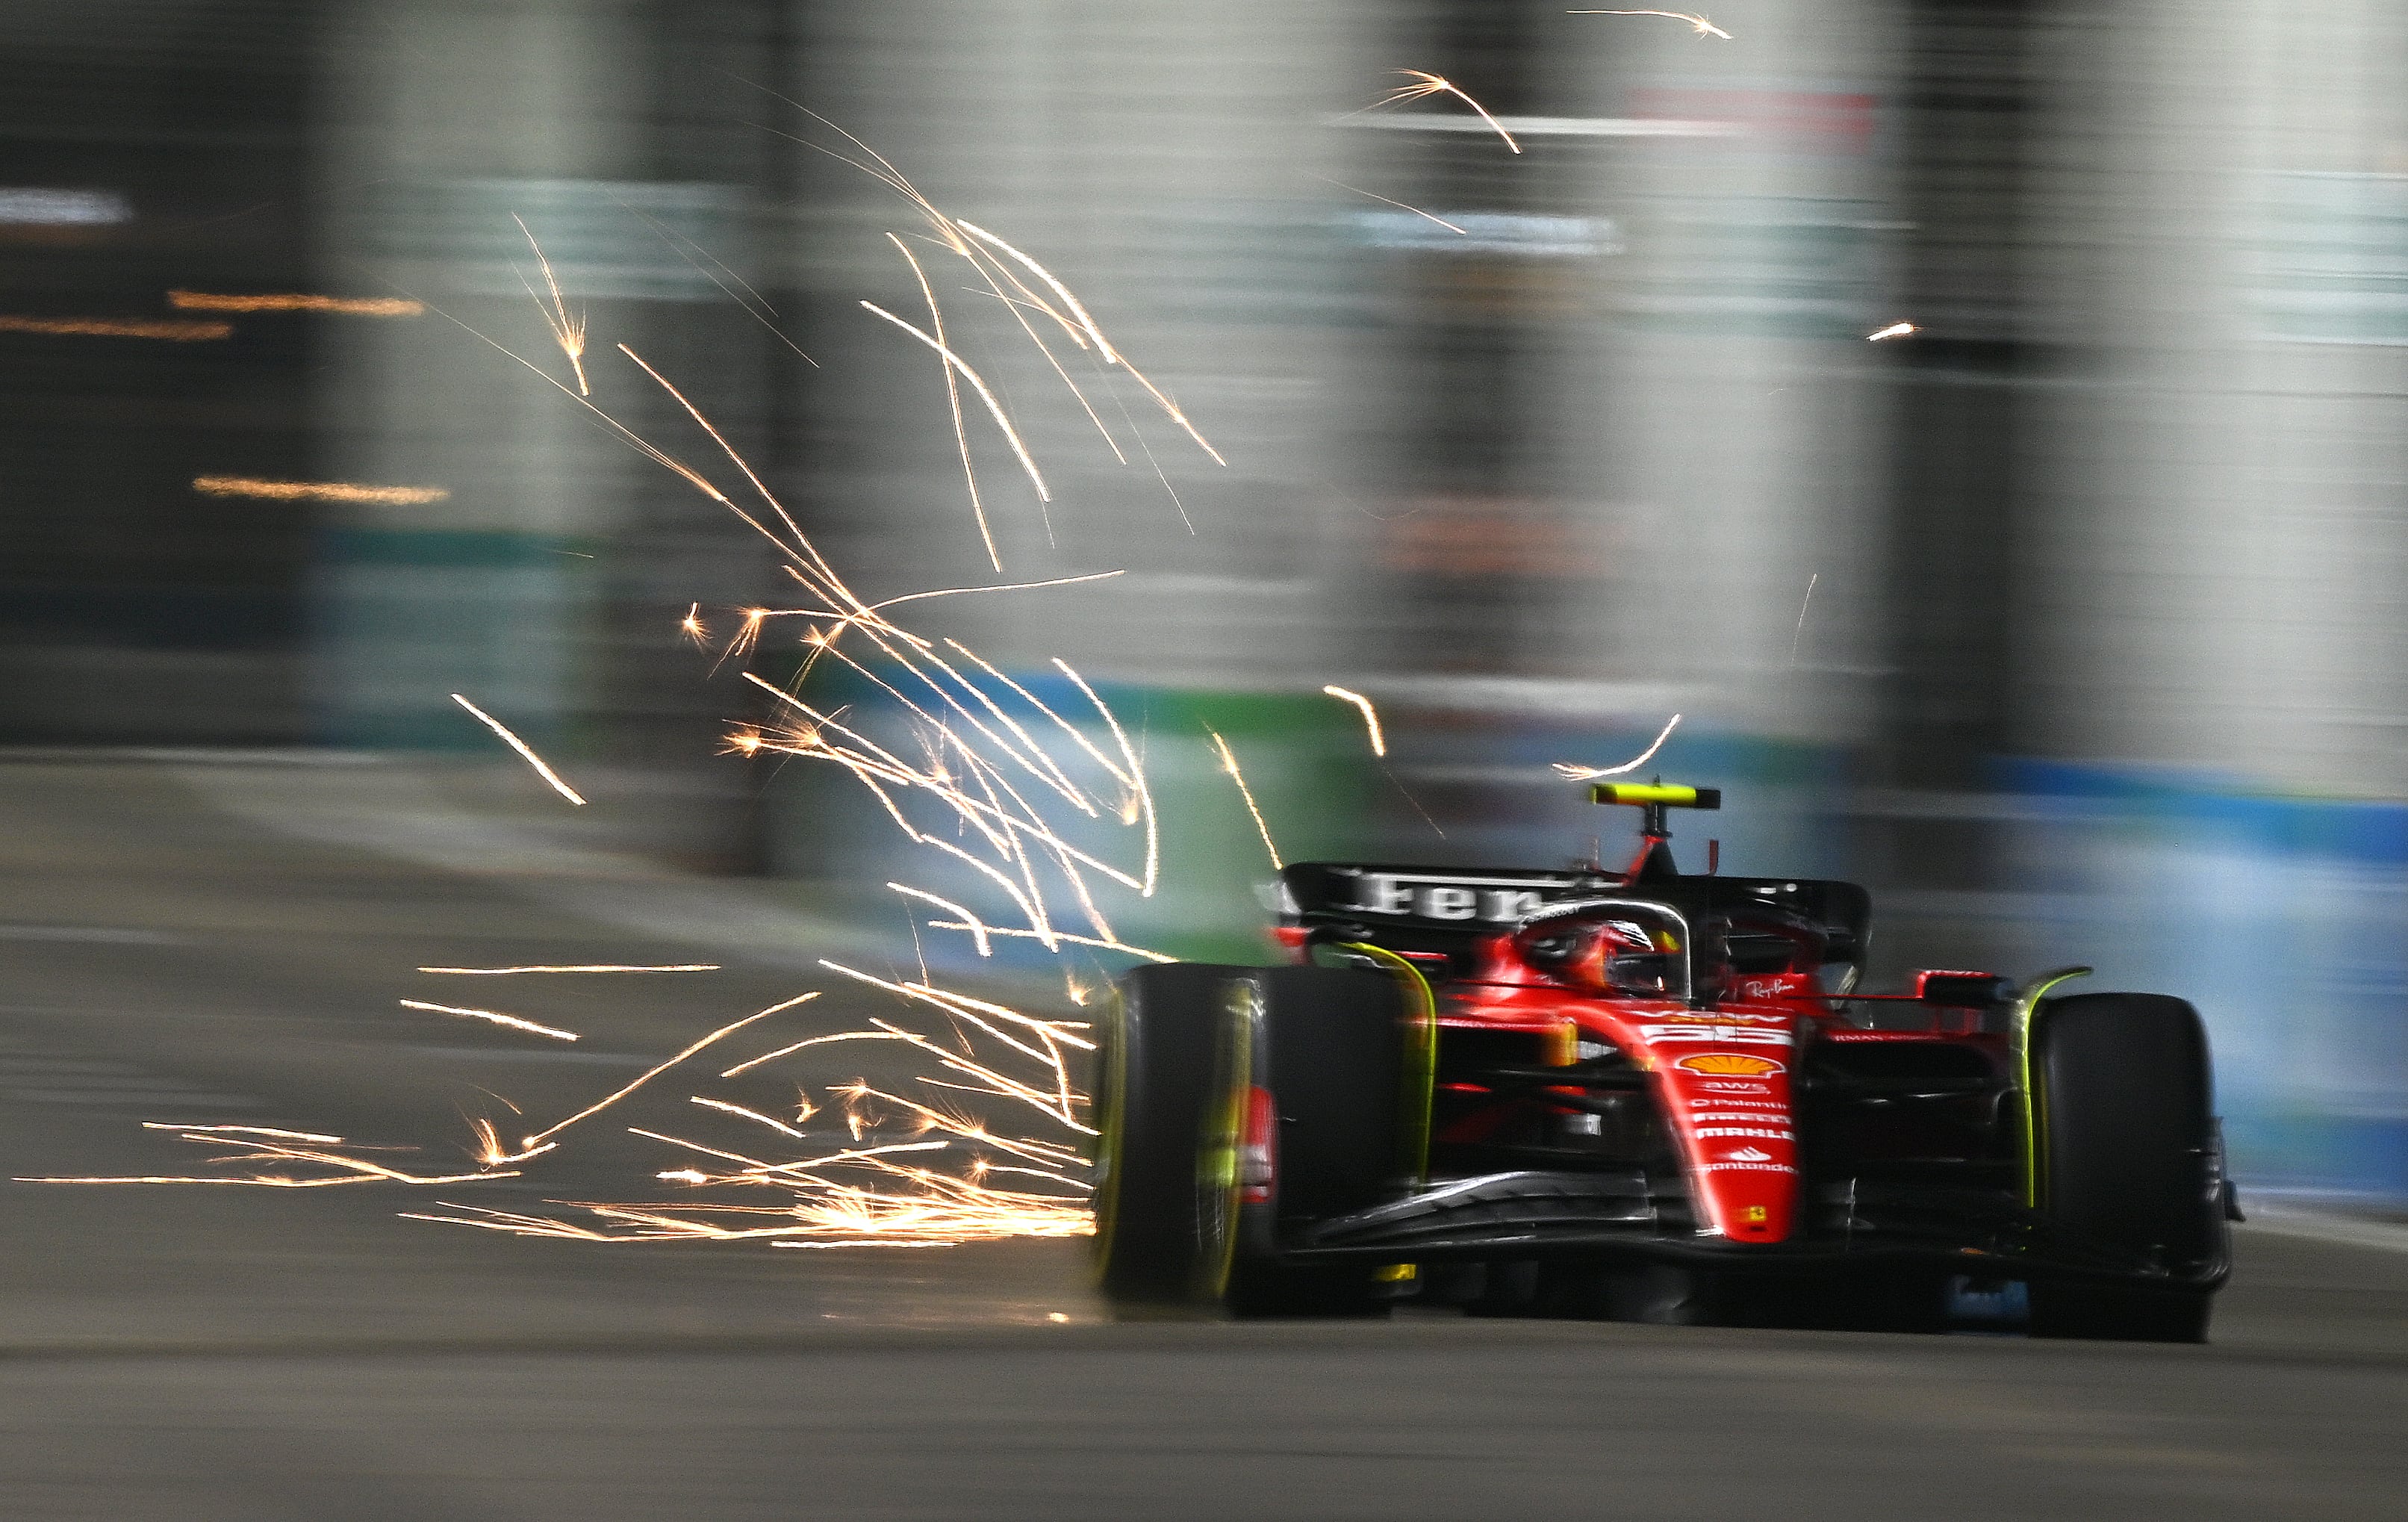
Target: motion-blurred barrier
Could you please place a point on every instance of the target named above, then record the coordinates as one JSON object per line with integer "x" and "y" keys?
{"x": 2280, "y": 918}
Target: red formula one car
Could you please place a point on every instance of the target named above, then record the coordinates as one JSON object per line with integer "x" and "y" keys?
{"x": 1649, "y": 1096}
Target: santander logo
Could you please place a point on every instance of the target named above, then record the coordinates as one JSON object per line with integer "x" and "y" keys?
{"x": 1750, "y": 1155}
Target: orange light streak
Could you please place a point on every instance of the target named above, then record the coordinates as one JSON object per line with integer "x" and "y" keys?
{"x": 523, "y": 749}
{"x": 1699, "y": 24}
{"x": 1581, "y": 774}
{"x": 209, "y": 301}
{"x": 953, "y": 405}
{"x": 1229, "y": 764}
{"x": 319, "y": 491}
{"x": 512, "y": 1021}
{"x": 750, "y": 1063}
{"x": 277, "y": 1132}
{"x": 1010, "y": 434}
{"x": 976, "y": 928}
{"x": 1371, "y": 717}
{"x": 566, "y": 331}
{"x": 171, "y": 329}
{"x": 348, "y": 1170}
{"x": 777, "y": 1126}
{"x": 1426, "y": 83}
{"x": 1103, "y": 345}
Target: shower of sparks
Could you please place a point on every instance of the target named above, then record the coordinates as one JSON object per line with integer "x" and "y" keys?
{"x": 1425, "y": 83}
{"x": 1896, "y": 330}
{"x": 496, "y": 1016}
{"x": 523, "y": 749}
{"x": 172, "y": 329}
{"x": 319, "y": 491}
{"x": 1699, "y": 24}
{"x": 579, "y": 966}
{"x": 537, "y": 1142}
{"x": 1581, "y": 774}
{"x": 1371, "y": 717}
{"x": 1807, "y": 602}
{"x": 1229, "y": 764}
{"x": 1032, "y": 810}
{"x": 566, "y": 331}
{"x": 210, "y": 301}
{"x": 1022, "y": 287}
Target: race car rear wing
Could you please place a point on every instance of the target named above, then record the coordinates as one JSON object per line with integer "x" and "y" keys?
{"x": 1433, "y": 912}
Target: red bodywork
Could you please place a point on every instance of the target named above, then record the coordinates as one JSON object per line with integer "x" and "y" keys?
{"x": 1721, "y": 1077}
{"x": 1722, "y": 1072}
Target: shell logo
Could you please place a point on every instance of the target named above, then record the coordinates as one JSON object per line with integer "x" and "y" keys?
{"x": 1730, "y": 1065}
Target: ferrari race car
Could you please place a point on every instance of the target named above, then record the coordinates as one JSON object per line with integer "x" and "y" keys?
{"x": 1648, "y": 1096}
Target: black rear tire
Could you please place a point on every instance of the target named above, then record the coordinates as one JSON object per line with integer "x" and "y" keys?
{"x": 2126, "y": 1153}
{"x": 1179, "y": 1053}
{"x": 1328, "y": 1047}
{"x": 1155, "y": 1056}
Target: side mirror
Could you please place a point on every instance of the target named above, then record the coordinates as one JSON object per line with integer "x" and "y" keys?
{"x": 1963, "y": 990}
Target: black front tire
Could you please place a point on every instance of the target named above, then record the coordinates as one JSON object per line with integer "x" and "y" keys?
{"x": 2127, "y": 1156}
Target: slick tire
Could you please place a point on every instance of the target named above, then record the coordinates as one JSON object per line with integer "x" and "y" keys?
{"x": 1327, "y": 1045}
{"x": 1157, "y": 1050}
{"x": 2126, "y": 1155}
{"x": 1180, "y": 1052}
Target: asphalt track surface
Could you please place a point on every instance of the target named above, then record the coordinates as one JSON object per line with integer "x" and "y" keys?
{"x": 205, "y": 1354}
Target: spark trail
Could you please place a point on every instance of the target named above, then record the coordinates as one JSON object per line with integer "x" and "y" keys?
{"x": 523, "y": 749}
{"x": 1425, "y": 83}
{"x": 1229, "y": 764}
{"x": 1371, "y": 717}
{"x": 567, "y": 331}
{"x": 494, "y": 1016}
{"x": 1581, "y": 774}
{"x": 1699, "y": 24}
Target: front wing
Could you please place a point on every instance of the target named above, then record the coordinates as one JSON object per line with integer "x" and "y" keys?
{"x": 1629, "y": 1216}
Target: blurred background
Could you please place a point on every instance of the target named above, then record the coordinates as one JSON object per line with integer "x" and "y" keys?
{"x": 2071, "y": 622}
